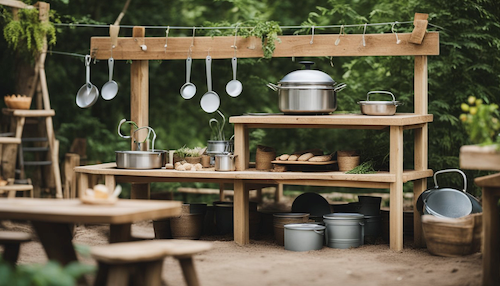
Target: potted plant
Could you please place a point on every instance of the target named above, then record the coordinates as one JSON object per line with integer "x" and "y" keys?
{"x": 190, "y": 155}
{"x": 482, "y": 124}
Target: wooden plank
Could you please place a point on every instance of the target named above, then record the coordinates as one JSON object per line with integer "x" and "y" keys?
{"x": 411, "y": 175}
{"x": 128, "y": 48}
{"x": 241, "y": 214}
{"x": 83, "y": 184}
{"x": 71, "y": 161}
{"x": 491, "y": 232}
{"x": 302, "y": 121}
{"x": 10, "y": 140}
{"x": 336, "y": 183}
{"x": 421, "y": 85}
{"x": 396, "y": 189}
{"x": 479, "y": 158}
{"x": 28, "y": 112}
{"x": 74, "y": 211}
{"x": 15, "y": 4}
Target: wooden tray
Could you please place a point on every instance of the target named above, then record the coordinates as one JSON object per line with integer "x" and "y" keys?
{"x": 303, "y": 162}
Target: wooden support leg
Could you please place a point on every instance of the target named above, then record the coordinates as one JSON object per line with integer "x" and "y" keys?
{"x": 278, "y": 195}
{"x": 491, "y": 237}
{"x": 241, "y": 149}
{"x": 241, "y": 214}
{"x": 419, "y": 186}
{"x": 396, "y": 189}
{"x": 120, "y": 232}
{"x": 11, "y": 252}
{"x": 221, "y": 192}
{"x": 112, "y": 275}
{"x": 140, "y": 192}
{"x": 83, "y": 183}
{"x": 109, "y": 181}
{"x": 56, "y": 239}
{"x": 188, "y": 270}
{"x": 147, "y": 273}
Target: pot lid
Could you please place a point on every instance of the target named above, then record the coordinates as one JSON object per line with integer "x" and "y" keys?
{"x": 344, "y": 216}
{"x": 304, "y": 226}
{"x": 378, "y": 102}
{"x": 307, "y": 76}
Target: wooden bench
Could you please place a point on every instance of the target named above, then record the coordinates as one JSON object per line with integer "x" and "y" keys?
{"x": 11, "y": 241}
{"x": 140, "y": 262}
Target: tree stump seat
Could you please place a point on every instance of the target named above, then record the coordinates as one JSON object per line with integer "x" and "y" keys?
{"x": 140, "y": 262}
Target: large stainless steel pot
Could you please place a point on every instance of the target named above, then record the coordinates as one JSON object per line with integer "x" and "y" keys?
{"x": 140, "y": 159}
{"x": 307, "y": 91}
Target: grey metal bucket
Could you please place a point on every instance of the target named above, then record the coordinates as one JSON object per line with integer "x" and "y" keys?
{"x": 447, "y": 203}
{"x": 304, "y": 236}
{"x": 344, "y": 230}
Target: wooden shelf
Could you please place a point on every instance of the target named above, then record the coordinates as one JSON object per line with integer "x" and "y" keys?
{"x": 290, "y": 178}
{"x": 327, "y": 121}
{"x": 475, "y": 157}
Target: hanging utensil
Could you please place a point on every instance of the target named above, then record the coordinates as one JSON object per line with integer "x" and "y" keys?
{"x": 234, "y": 87}
{"x": 221, "y": 130}
{"x": 215, "y": 128}
{"x": 87, "y": 95}
{"x": 110, "y": 88}
{"x": 188, "y": 90}
{"x": 210, "y": 101}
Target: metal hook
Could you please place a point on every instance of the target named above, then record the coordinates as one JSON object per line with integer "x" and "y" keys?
{"x": 398, "y": 41}
{"x": 166, "y": 38}
{"x": 234, "y": 44}
{"x": 312, "y": 36}
{"x": 337, "y": 42}
{"x": 190, "y": 51}
{"x": 364, "y": 31}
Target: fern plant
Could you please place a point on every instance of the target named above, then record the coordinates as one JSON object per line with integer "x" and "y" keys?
{"x": 27, "y": 34}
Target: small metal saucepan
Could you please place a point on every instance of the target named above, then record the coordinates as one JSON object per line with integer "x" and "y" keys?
{"x": 225, "y": 162}
{"x": 369, "y": 107}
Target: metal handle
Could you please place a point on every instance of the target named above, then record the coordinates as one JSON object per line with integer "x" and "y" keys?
{"x": 149, "y": 132}
{"x": 111, "y": 63}
{"x": 120, "y": 125}
{"x": 87, "y": 71}
{"x": 384, "y": 92}
{"x": 273, "y": 86}
{"x": 188, "y": 69}
{"x": 449, "y": 171}
{"x": 321, "y": 232}
{"x": 234, "y": 62}
{"x": 307, "y": 64}
{"x": 339, "y": 87}
{"x": 208, "y": 62}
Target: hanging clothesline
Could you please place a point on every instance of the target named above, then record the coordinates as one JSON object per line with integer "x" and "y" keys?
{"x": 227, "y": 27}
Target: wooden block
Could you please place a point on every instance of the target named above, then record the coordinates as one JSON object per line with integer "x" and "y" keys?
{"x": 420, "y": 16}
{"x": 417, "y": 36}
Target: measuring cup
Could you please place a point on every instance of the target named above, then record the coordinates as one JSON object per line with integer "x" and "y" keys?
{"x": 210, "y": 101}
{"x": 234, "y": 87}
{"x": 110, "y": 89}
{"x": 87, "y": 94}
{"x": 188, "y": 90}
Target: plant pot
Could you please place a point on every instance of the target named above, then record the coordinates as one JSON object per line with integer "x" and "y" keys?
{"x": 193, "y": 160}
{"x": 187, "y": 226}
{"x": 263, "y": 157}
{"x": 347, "y": 160}
{"x": 279, "y": 221}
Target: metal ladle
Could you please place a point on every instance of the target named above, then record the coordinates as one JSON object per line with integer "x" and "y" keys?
{"x": 110, "y": 88}
{"x": 234, "y": 87}
{"x": 188, "y": 90}
{"x": 87, "y": 94}
{"x": 210, "y": 101}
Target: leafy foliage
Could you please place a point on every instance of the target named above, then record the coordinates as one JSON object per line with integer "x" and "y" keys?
{"x": 27, "y": 34}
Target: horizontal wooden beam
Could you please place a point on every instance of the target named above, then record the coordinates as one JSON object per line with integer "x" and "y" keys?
{"x": 15, "y": 4}
{"x": 129, "y": 48}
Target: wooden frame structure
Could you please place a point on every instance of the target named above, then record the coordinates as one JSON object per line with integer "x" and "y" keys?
{"x": 40, "y": 88}
{"x": 129, "y": 48}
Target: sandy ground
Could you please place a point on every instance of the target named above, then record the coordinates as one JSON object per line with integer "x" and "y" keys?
{"x": 262, "y": 262}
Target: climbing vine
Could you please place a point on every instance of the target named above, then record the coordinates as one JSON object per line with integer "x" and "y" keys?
{"x": 26, "y": 35}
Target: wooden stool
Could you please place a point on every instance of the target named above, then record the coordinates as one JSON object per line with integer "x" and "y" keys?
{"x": 143, "y": 261}
{"x": 11, "y": 241}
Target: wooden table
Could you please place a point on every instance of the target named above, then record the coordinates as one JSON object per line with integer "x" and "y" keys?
{"x": 52, "y": 219}
{"x": 487, "y": 158}
{"x": 241, "y": 181}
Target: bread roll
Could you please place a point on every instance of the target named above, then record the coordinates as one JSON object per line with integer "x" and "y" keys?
{"x": 323, "y": 158}
{"x": 284, "y": 157}
{"x": 305, "y": 157}
{"x": 293, "y": 158}
{"x": 101, "y": 191}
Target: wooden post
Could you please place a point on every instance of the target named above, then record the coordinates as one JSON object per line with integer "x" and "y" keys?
{"x": 241, "y": 147}
{"x": 241, "y": 213}
{"x": 70, "y": 162}
{"x": 396, "y": 191}
{"x": 139, "y": 102}
{"x": 491, "y": 236}
{"x": 420, "y": 143}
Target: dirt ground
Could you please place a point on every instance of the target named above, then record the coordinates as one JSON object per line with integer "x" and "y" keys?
{"x": 263, "y": 262}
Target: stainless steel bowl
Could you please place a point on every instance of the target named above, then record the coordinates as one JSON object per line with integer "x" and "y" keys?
{"x": 379, "y": 107}
{"x": 140, "y": 159}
